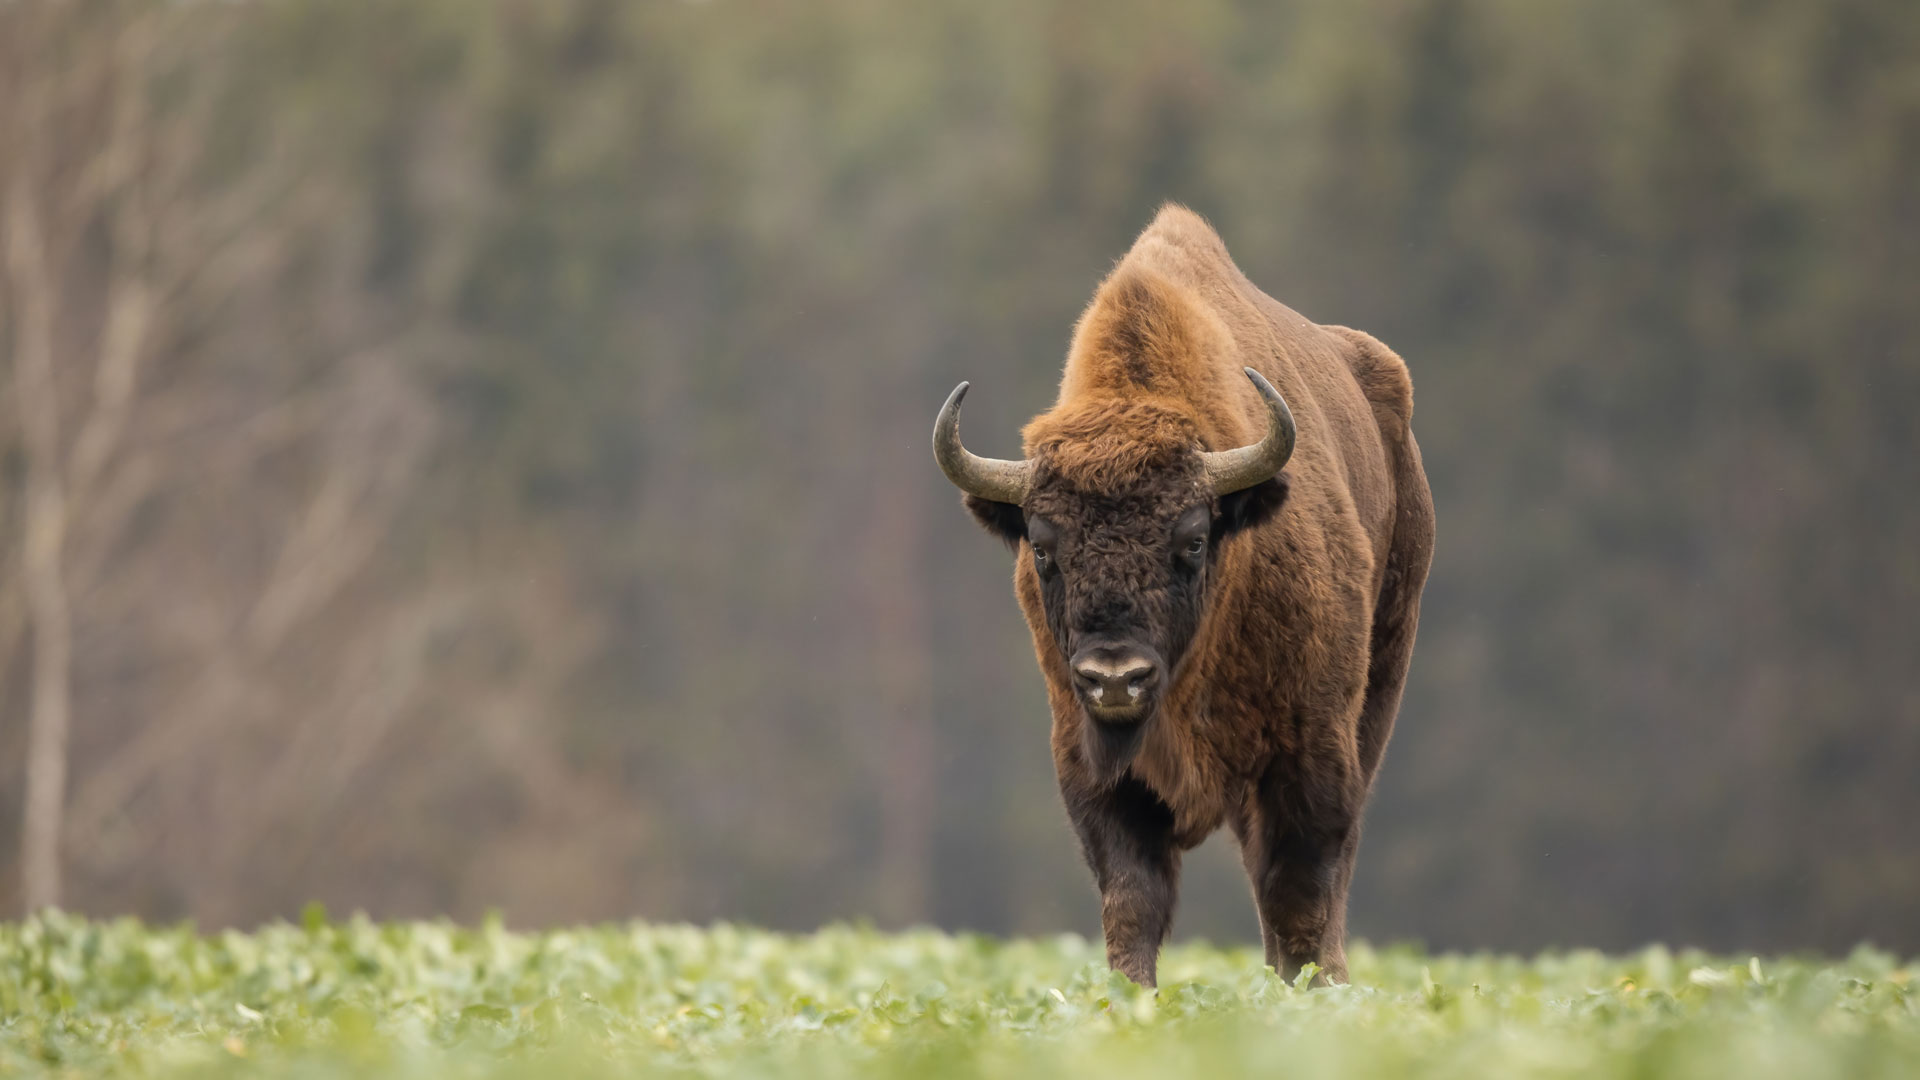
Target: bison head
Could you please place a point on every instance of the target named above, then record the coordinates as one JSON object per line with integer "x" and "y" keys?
{"x": 1122, "y": 515}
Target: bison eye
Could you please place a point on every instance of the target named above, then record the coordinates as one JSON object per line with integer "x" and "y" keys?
{"x": 1196, "y": 547}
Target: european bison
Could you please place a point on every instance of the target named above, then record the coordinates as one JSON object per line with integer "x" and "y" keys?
{"x": 1223, "y": 641}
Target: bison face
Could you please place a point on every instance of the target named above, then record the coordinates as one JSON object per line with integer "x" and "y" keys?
{"x": 1124, "y": 580}
{"x": 1122, "y": 593}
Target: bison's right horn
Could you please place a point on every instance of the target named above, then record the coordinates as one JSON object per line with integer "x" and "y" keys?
{"x": 1235, "y": 470}
{"x": 988, "y": 478}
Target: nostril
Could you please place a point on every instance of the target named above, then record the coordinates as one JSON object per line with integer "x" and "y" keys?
{"x": 1092, "y": 682}
{"x": 1138, "y": 680}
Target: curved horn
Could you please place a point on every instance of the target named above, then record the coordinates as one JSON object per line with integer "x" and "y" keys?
{"x": 1234, "y": 470}
{"x": 988, "y": 478}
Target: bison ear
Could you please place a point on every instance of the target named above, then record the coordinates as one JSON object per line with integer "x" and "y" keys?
{"x": 1003, "y": 520}
{"x": 1250, "y": 507}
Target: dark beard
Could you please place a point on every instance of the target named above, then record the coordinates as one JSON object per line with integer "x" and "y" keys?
{"x": 1111, "y": 747}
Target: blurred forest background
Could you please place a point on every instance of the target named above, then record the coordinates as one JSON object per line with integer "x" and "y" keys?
{"x": 459, "y": 455}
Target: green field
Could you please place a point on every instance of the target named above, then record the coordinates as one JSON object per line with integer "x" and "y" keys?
{"x": 432, "y": 999}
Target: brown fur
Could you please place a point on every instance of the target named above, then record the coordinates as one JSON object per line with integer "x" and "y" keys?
{"x": 1284, "y": 687}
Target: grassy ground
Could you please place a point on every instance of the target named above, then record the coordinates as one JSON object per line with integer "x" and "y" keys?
{"x": 429, "y": 999}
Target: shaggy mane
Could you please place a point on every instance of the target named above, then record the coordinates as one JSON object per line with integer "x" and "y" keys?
{"x": 1143, "y": 386}
{"x": 1109, "y": 444}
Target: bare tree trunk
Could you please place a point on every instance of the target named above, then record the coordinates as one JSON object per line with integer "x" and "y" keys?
{"x": 48, "y": 617}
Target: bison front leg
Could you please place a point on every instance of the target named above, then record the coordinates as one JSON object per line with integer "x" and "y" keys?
{"x": 1299, "y": 846}
{"x": 1126, "y": 833}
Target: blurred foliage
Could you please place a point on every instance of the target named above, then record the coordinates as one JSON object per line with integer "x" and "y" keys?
{"x": 705, "y": 636}
{"x": 423, "y": 999}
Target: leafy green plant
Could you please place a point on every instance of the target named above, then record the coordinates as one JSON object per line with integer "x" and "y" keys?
{"x": 355, "y": 998}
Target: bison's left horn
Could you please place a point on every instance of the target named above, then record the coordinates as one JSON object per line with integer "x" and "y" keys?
{"x": 1234, "y": 470}
{"x": 989, "y": 478}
